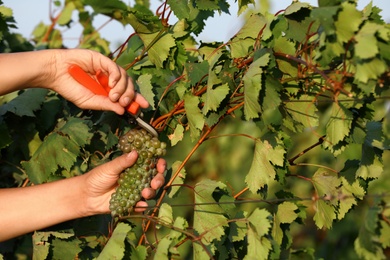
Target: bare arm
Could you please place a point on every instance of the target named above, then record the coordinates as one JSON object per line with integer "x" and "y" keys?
{"x": 23, "y": 210}
{"x": 49, "y": 69}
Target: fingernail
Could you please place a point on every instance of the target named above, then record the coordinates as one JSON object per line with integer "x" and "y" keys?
{"x": 115, "y": 96}
{"x": 126, "y": 100}
{"x": 159, "y": 183}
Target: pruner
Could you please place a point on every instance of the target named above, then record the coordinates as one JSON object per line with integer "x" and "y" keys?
{"x": 100, "y": 87}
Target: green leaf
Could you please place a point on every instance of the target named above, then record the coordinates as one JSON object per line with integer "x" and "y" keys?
{"x": 180, "y": 8}
{"x": 26, "y": 103}
{"x": 163, "y": 246}
{"x": 375, "y": 136}
{"x": 366, "y": 43}
{"x": 252, "y": 87}
{"x": 115, "y": 247}
{"x": 243, "y": 41}
{"x": 214, "y": 95}
{"x": 326, "y": 16}
{"x": 197, "y": 72}
{"x": 177, "y": 135}
{"x": 295, "y": 7}
{"x": 243, "y": 5}
{"x": 348, "y": 22}
{"x": 339, "y": 124}
{"x": 158, "y": 45}
{"x": 326, "y": 183}
{"x": 209, "y": 220}
{"x": 106, "y": 7}
{"x": 324, "y": 215}
{"x": 66, "y": 13}
{"x": 139, "y": 253}
{"x": 59, "y": 149}
{"x": 66, "y": 248}
{"x": 178, "y": 181}
{"x": 146, "y": 88}
{"x": 165, "y": 214}
{"x": 194, "y": 114}
{"x": 370, "y": 69}
{"x": 262, "y": 172}
{"x": 286, "y": 212}
{"x": 349, "y": 193}
{"x": 259, "y": 245}
{"x": 304, "y": 113}
{"x": 384, "y": 237}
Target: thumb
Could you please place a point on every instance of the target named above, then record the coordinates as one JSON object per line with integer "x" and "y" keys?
{"x": 119, "y": 164}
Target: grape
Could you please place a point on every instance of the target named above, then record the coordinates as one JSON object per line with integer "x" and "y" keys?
{"x": 134, "y": 179}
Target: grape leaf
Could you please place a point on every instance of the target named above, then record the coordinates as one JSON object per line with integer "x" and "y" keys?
{"x": 214, "y": 95}
{"x": 26, "y": 103}
{"x": 146, "y": 88}
{"x": 66, "y": 248}
{"x": 163, "y": 248}
{"x": 115, "y": 247}
{"x": 252, "y": 87}
{"x": 348, "y": 22}
{"x": 178, "y": 181}
{"x": 326, "y": 182}
{"x": 375, "y": 136}
{"x": 139, "y": 253}
{"x": 262, "y": 172}
{"x": 326, "y": 15}
{"x": 348, "y": 193}
{"x": 259, "y": 245}
{"x": 158, "y": 46}
{"x": 384, "y": 237}
{"x": 285, "y": 214}
{"x": 209, "y": 220}
{"x": 339, "y": 124}
{"x": 165, "y": 214}
{"x": 324, "y": 215}
{"x": 295, "y": 7}
{"x": 370, "y": 69}
{"x": 303, "y": 112}
{"x": 366, "y": 43}
{"x": 196, "y": 71}
{"x": 194, "y": 114}
{"x": 177, "y": 135}
{"x": 106, "y": 7}
{"x": 243, "y": 5}
{"x": 66, "y": 14}
{"x": 59, "y": 149}
{"x": 180, "y": 8}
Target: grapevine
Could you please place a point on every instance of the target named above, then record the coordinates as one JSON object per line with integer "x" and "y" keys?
{"x": 278, "y": 139}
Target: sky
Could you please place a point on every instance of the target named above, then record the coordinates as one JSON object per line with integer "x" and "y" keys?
{"x": 222, "y": 27}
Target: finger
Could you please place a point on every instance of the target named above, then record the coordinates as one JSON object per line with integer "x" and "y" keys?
{"x": 141, "y": 100}
{"x": 161, "y": 165}
{"x": 141, "y": 206}
{"x": 158, "y": 181}
{"x": 119, "y": 164}
{"x": 127, "y": 90}
{"x": 148, "y": 193}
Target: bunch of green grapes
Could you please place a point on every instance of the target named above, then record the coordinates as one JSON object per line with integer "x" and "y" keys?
{"x": 134, "y": 179}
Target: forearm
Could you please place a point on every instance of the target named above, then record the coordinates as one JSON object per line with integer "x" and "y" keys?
{"x": 26, "y": 69}
{"x": 23, "y": 210}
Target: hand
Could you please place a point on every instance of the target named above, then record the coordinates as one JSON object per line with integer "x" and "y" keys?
{"x": 122, "y": 88}
{"x": 101, "y": 182}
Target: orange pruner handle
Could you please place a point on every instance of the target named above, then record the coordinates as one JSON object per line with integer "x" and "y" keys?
{"x": 99, "y": 87}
